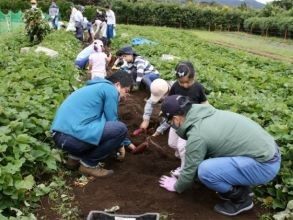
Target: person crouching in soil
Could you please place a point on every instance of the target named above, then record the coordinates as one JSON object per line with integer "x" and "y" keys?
{"x": 98, "y": 60}
{"x": 141, "y": 69}
{"x": 186, "y": 85}
{"x": 226, "y": 151}
{"x": 86, "y": 124}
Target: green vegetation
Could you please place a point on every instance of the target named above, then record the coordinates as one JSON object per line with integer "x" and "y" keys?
{"x": 35, "y": 25}
{"x": 258, "y": 87}
{"x": 277, "y": 25}
{"x": 32, "y": 86}
{"x": 274, "y": 19}
{"x": 185, "y": 16}
{"x": 271, "y": 46}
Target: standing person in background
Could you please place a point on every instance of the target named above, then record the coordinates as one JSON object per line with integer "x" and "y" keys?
{"x": 78, "y": 21}
{"x": 71, "y": 23}
{"x": 100, "y": 24}
{"x": 111, "y": 24}
{"x": 98, "y": 61}
{"x": 54, "y": 14}
{"x": 87, "y": 25}
{"x": 33, "y": 4}
{"x": 35, "y": 23}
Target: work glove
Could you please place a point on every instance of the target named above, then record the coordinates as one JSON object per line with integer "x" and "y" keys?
{"x": 168, "y": 183}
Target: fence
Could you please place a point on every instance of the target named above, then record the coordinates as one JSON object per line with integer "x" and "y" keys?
{"x": 10, "y": 21}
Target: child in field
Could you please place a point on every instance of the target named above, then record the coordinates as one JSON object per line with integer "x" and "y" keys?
{"x": 186, "y": 85}
{"x": 159, "y": 89}
{"x": 98, "y": 61}
{"x": 144, "y": 72}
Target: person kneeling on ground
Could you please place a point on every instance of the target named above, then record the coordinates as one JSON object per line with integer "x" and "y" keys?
{"x": 143, "y": 71}
{"x": 228, "y": 151}
{"x": 186, "y": 85}
{"x": 86, "y": 124}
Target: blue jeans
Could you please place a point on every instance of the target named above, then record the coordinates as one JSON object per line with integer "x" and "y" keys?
{"x": 220, "y": 174}
{"x": 79, "y": 31}
{"x": 147, "y": 79}
{"x": 80, "y": 64}
{"x": 113, "y": 135}
{"x": 55, "y": 22}
{"x": 110, "y": 31}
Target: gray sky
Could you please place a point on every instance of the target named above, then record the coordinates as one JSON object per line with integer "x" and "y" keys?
{"x": 264, "y": 1}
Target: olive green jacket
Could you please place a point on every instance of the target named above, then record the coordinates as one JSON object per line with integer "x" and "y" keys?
{"x": 215, "y": 133}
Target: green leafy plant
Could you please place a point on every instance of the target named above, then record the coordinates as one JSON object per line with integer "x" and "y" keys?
{"x": 259, "y": 88}
{"x": 32, "y": 87}
{"x": 35, "y": 24}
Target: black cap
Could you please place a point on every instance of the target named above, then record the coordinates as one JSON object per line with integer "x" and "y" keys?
{"x": 126, "y": 50}
{"x": 175, "y": 105}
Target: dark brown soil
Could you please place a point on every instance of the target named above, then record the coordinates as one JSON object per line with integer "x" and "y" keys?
{"x": 134, "y": 186}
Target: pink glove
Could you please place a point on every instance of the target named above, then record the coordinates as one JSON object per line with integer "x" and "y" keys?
{"x": 168, "y": 183}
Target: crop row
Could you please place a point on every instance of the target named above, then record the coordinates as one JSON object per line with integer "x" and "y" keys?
{"x": 32, "y": 86}
{"x": 257, "y": 87}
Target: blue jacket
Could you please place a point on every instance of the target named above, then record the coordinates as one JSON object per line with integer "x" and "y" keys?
{"x": 83, "y": 113}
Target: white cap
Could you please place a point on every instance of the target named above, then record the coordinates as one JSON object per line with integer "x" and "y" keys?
{"x": 98, "y": 42}
{"x": 159, "y": 89}
{"x": 99, "y": 45}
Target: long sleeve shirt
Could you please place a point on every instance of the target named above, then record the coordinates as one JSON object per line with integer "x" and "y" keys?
{"x": 111, "y": 19}
{"x": 143, "y": 67}
{"x": 216, "y": 133}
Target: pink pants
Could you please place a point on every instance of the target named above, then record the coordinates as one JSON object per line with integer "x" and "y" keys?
{"x": 177, "y": 143}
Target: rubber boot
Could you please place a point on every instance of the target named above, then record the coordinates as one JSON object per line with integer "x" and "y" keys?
{"x": 240, "y": 201}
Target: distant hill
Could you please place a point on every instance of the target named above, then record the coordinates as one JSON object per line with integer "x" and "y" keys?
{"x": 250, "y": 3}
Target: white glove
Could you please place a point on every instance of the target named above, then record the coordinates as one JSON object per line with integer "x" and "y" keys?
{"x": 168, "y": 183}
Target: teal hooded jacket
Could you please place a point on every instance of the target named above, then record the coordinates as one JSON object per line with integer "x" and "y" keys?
{"x": 83, "y": 113}
{"x": 216, "y": 133}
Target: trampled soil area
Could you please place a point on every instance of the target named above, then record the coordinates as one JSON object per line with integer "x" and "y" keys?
{"x": 134, "y": 185}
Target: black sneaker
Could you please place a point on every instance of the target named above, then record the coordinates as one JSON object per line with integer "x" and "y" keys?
{"x": 230, "y": 208}
{"x": 225, "y": 198}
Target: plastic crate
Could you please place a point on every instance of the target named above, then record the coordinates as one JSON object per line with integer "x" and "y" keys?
{"x": 100, "y": 215}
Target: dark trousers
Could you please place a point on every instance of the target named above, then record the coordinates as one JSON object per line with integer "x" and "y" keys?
{"x": 113, "y": 135}
{"x": 79, "y": 31}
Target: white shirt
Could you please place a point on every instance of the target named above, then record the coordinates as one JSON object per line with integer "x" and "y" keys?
{"x": 78, "y": 16}
{"x": 111, "y": 19}
{"x": 98, "y": 60}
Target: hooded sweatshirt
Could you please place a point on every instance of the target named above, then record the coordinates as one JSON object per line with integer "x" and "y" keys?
{"x": 83, "y": 113}
{"x": 216, "y": 133}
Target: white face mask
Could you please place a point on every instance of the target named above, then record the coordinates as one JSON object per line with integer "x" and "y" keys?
{"x": 34, "y": 6}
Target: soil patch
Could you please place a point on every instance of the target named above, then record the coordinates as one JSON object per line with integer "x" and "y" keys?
{"x": 260, "y": 53}
{"x": 134, "y": 186}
